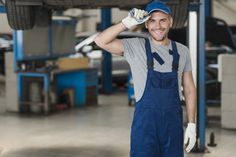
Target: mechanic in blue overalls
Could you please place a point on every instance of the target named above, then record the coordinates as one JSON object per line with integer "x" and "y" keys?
{"x": 159, "y": 67}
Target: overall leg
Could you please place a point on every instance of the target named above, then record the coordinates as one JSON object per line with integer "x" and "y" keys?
{"x": 172, "y": 145}
{"x": 144, "y": 142}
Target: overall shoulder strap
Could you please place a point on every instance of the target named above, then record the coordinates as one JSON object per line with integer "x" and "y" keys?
{"x": 175, "y": 63}
{"x": 149, "y": 54}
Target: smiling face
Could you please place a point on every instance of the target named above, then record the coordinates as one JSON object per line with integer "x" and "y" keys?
{"x": 159, "y": 25}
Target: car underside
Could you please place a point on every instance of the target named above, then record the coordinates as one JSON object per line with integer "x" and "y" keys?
{"x": 25, "y": 14}
{"x": 83, "y": 3}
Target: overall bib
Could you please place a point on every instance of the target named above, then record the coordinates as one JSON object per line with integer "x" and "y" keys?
{"x": 157, "y": 129}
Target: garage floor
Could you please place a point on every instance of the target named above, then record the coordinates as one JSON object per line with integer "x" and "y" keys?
{"x": 96, "y": 131}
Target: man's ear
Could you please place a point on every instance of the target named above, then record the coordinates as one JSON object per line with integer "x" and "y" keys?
{"x": 171, "y": 22}
{"x": 146, "y": 25}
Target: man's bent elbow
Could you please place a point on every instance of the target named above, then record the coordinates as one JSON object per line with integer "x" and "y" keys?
{"x": 97, "y": 40}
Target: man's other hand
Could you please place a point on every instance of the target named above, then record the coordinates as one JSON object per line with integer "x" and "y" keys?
{"x": 190, "y": 137}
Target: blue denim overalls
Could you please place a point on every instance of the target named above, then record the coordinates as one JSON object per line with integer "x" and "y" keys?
{"x": 157, "y": 129}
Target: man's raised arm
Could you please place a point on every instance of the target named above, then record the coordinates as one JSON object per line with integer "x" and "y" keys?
{"x": 107, "y": 39}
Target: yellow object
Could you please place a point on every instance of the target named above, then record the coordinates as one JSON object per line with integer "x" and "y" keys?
{"x": 73, "y": 63}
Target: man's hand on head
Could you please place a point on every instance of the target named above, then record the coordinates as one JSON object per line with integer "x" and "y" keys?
{"x": 135, "y": 17}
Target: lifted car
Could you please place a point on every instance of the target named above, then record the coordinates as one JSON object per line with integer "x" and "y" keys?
{"x": 24, "y": 14}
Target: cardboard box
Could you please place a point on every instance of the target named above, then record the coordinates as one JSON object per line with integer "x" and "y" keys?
{"x": 73, "y": 63}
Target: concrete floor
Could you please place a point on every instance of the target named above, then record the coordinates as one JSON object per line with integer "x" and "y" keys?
{"x": 95, "y": 131}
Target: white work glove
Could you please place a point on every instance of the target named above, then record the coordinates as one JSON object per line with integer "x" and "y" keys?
{"x": 190, "y": 137}
{"x": 135, "y": 17}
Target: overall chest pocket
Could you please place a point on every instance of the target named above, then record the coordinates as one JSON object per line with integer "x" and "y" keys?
{"x": 164, "y": 82}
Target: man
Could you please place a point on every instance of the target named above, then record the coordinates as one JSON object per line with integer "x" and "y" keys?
{"x": 158, "y": 67}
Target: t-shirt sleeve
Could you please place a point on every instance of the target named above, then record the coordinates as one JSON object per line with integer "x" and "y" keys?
{"x": 130, "y": 46}
{"x": 188, "y": 64}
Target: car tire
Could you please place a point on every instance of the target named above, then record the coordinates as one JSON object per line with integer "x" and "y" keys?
{"x": 20, "y": 17}
{"x": 179, "y": 12}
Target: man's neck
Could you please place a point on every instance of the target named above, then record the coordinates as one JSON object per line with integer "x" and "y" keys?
{"x": 164, "y": 42}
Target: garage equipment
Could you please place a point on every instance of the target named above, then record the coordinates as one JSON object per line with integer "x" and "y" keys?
{"x": 131, "y": 98}
{"x": 84, "y": 83}
{"x": 227, "y": 76}
{"x": 33, "y": 92}
{"x": 2, "y": 9}
{"x": 35, "y": 51}
{"x": 212, "y": 140}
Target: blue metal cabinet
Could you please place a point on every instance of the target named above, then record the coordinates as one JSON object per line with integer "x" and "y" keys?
{"x": 2, "y": 9}
{"x": 84, "y": 82}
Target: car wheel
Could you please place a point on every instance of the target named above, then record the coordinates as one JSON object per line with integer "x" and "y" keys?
{"x": 179, "y": 12}
{"x": 20, "y": 17}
